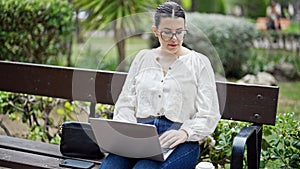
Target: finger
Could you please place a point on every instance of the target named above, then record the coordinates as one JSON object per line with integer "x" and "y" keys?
{"x": 173, "y": 141}
{"x": 168, "y": 139}
{"x": 166, "y": 136}
{"x": 174, "y": 144}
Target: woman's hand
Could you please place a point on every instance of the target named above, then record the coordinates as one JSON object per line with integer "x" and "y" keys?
{"x": 172, "y": 138}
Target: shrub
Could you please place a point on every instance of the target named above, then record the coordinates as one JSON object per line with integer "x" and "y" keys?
{"x": 212, "y": 6}
{"x": 280, "y": 143}
{"x": 255, "y": 8}
{"x": 230, "y": 36}
{"x": 224, "y": 134}
{"x": 34, "y": 30}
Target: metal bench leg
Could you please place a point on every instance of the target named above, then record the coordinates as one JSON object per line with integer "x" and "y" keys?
{"x": 252, "y": 137}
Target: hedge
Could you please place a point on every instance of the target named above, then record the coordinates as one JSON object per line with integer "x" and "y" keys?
{"x": 34, "y": 30}
{"x": 221, "y": 37}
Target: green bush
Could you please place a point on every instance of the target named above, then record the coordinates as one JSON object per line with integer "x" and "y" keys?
{"x": 34, "y": 30}
{"x": 255, "y": 8}
{"x": 280, "y": 143}
{"x": 226, "y": 37}
{"x": 211, "y": 6}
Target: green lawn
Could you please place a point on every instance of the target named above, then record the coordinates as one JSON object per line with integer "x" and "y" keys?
{"x": 101, "y": 52}
{"x": 289, "y": 98}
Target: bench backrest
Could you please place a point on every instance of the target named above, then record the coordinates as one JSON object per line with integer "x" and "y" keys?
{"x": 250, "y": 103}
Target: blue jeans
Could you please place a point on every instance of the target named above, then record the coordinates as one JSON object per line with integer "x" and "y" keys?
{"x": 185, "y": 156}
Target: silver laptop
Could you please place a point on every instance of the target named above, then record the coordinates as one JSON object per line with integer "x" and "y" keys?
{"x": 132, "y": 140}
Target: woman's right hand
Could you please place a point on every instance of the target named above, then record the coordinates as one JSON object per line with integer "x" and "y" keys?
{"x": 172, "y": 138}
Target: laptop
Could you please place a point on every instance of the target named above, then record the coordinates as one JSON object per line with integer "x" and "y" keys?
{"x": 133, "y": 140}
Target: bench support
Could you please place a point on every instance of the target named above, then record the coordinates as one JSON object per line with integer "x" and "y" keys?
{"x": 250, "y": 136}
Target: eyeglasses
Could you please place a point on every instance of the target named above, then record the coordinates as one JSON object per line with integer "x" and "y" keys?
{"x": 168, "y": 35}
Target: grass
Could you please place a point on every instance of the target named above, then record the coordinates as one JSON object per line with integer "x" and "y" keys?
{"x": 101, "y": 52}
{"x": 289, "y": 99}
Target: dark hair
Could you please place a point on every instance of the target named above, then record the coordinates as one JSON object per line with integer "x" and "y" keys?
{"x": 168, "y": 9}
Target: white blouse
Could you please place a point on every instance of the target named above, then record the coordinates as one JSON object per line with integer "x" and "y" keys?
{"x": 186, "y": 94}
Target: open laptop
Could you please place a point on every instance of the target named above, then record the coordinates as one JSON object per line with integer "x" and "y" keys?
{"x": 132, "y": 140}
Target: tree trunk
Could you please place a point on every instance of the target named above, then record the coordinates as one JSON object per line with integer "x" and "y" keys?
{"x": 78, "y": 35}
{"x": 120, "y": 36}
{"x": 194, "y": 6}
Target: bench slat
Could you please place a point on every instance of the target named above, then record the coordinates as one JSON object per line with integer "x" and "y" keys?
{"x": 16, "y": 159}
{"x": 35, "y": 147}
{"x": 251, "y": 103}
{"x": 24, "y": 145}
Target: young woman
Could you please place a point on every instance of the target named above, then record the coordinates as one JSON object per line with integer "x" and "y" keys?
{"x": 172, "y": 88}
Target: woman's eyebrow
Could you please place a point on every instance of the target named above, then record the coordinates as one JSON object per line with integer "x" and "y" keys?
{"x": 171, "y": 29}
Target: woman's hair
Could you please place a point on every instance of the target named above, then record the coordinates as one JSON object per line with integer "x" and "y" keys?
{"x": 168, "y": 9}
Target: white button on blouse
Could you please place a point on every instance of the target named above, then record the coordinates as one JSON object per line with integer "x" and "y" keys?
{"x": 185, "y": 94}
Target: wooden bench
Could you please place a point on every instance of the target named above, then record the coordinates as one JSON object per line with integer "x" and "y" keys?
{"x": 248, "y": 103}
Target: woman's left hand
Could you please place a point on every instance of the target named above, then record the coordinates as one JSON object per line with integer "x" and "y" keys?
{"x": 172, "y": 138}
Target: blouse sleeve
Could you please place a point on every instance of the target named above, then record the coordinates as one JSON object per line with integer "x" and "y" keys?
{"x": 126, "y": 103}
{"x": 207, "y": 115}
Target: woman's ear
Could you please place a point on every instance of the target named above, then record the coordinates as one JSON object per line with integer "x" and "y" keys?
{"x": 154, "y": 30}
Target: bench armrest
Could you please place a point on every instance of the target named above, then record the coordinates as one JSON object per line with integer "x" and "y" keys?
{"x": 250, "y": 136}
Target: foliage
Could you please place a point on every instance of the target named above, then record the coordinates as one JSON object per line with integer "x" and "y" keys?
{"x": 293, "y": 29}
{"x": 251, "y": 9}
{"x": 281, "y": 144}
{"x": 104, "y": 12}
{"x": 119, "y": 13}
{"x": 226, "y": 37}
{"x": 34, "y": 30}
{"x": 224, "y": 134}
{"x": 212, "y": 6}
{"x": 33, "y": 110}
{"x": 265, "y": 60}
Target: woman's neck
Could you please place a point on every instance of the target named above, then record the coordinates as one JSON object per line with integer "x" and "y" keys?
{"x": 168, "y": 55}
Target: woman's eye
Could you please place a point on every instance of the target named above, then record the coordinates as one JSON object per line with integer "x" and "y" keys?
{"x": 179, "y": 32}
{"x": 168, "y": 33}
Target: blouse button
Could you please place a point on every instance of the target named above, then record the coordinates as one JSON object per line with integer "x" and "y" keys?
{"x": 170, "y": 68}
{"x": 162, "y": 81}
{"x": 159, "y": 96}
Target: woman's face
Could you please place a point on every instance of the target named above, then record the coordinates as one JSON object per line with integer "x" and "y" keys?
{"x": 170, "y": 32}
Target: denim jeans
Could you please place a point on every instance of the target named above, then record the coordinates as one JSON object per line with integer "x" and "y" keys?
{"x": 185, "y": 156}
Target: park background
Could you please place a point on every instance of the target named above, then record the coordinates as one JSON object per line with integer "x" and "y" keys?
{"x": 99, "y": 35}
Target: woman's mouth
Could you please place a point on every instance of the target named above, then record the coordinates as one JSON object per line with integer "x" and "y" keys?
{"x": 173, "y": 45}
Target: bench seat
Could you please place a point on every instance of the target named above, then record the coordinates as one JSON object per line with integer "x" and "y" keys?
{"x": 17, "y": 152}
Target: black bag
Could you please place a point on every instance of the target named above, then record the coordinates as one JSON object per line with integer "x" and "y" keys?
{"x": 78, "y": 140}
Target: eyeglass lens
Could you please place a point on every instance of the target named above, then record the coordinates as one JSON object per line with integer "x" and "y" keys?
{"x": 167, "y": 36}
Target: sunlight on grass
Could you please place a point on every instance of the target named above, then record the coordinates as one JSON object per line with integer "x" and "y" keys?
{"x": 289, "y": 99}
{"x": 101, "y": 52}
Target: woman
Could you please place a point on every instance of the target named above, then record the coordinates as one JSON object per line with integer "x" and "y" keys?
{"x": 172, "y": 88}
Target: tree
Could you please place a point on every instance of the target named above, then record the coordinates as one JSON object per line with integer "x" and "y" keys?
{"x": 112, "y": 11}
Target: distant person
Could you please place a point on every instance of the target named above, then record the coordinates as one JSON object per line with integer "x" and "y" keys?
{"x": 273, "y": 15}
